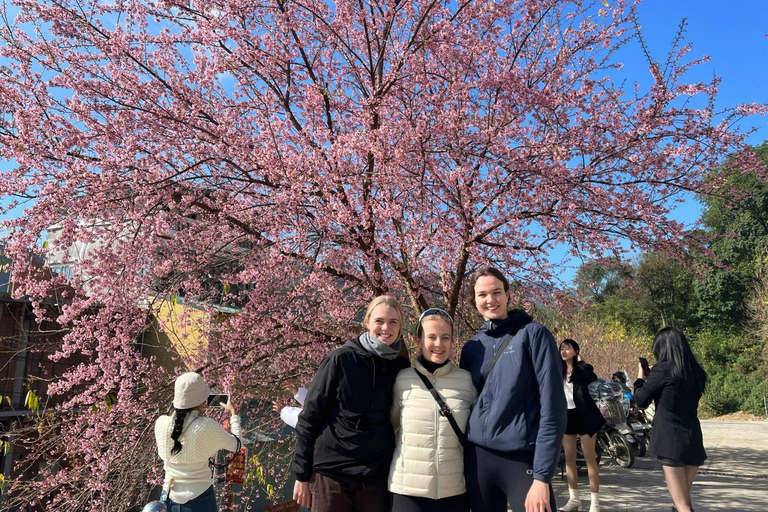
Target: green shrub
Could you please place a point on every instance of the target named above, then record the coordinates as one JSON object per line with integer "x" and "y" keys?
{"x": 719, "y": 349}
{"x": 727, "y": 392}
{"x": 754, "y": 403}
{"x": 716, "y": 401}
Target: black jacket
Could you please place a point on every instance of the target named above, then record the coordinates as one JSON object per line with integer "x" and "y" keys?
{"x": 676, "y": 430}
{"x": 584, "y": 374}
{"x": 344, "y": 431}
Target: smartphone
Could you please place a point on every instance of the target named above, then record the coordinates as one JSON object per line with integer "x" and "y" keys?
{"x": 644, "y": 364}
{"x": 217, "y": 400}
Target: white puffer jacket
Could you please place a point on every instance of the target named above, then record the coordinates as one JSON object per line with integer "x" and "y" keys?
{"x": 429, "y": 460}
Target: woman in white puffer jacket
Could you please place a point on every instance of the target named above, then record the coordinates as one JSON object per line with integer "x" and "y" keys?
{"x": 427, "y": 472}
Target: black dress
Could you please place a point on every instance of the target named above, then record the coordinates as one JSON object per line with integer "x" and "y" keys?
{"x": 676, "y": 431}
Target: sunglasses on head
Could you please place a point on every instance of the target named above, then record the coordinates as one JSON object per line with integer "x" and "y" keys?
{"x": 435, "y": 311}
{"x": 430, "y": 312}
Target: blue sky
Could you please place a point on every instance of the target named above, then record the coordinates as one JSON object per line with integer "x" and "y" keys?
{"x": 733, "y": 34}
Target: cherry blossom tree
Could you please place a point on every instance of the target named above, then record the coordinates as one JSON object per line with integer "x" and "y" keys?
{"x": 291, "y": 159}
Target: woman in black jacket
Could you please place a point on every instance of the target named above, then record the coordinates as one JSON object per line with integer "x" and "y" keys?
{"x": 584, "y": 420}
{"x": 675, "y": 384}
{"x": 345, "y": 440}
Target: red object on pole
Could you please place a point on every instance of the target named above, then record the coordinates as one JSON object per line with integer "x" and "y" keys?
{"x": 236, "y": 468}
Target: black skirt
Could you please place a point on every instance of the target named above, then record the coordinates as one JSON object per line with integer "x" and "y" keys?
{"x": 576, "y": 425}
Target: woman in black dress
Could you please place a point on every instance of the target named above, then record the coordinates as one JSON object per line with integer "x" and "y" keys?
{"x": 584, "y": 420}
{"x": 675, "y": 384}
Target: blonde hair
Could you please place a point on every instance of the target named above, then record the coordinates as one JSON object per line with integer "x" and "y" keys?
{"x": 387, "y": 300}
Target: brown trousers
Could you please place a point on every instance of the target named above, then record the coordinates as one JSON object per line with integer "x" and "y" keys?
{"x": 329, "y": 495}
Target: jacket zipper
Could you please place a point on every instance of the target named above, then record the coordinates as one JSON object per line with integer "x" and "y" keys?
{"x": 487, "y": 436}
{"x": 437, "y": 438}
{"x": 373, "y": 388}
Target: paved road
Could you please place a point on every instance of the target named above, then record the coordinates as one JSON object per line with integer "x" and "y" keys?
{"x": 734, "y": 477}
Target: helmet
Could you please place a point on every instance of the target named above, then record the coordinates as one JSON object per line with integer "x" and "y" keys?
{"x": 154, "y": 506}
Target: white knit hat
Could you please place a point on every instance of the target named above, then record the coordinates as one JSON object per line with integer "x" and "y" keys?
{"x": 190, "y": 391}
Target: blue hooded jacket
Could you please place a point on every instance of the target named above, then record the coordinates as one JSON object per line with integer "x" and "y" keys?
{"x": 522, "y": 405}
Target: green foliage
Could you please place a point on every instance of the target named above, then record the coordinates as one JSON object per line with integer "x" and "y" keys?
{"x": 717, "y": 399}
{"x": 737, "y": 217}
{"x": 601, "y": 280}
{"x": 724, "y": 313}
{"x": 734, "y": 351}
{"x": 733, "y": 362}
{"x": 628, "y": 308}
{"x": 727, "y": 392}
{"x": 670, "y": 290}
{"x": 754, "y": 403}
{"x": 31, "y": 401}
{"x": 654, "y": 292}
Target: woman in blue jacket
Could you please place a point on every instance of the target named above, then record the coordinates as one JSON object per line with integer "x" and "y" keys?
{"x": 516, "y": 428}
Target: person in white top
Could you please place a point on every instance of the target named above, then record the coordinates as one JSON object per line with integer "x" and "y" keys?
{"x": 427, "y": 471}
{"x": 186, "y": 440}
{"x": 290, "y": 415}
{"x": 584, "y": 421}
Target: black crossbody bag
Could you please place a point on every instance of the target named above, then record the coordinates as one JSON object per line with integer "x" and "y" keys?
{"x": 497, "y": 354}
{"x": 444, "y": 409}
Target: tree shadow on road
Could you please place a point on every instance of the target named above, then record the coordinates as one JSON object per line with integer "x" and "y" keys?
{"x": 732, "y": 479}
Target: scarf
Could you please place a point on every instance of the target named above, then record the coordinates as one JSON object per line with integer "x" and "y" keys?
{"x": 377, "y": 348}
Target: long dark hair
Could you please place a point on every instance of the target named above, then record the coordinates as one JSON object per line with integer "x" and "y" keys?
{"x": 178, "y": 425}
{"x": 576, "y": 349}
{"x": 671, "y": 346}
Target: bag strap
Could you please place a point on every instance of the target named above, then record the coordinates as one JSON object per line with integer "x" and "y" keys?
{"x": 499, "y": 351}
{"x": 166, "y": 492}
{"x": 443, "y": 407}
{"x": 227, "y": 459}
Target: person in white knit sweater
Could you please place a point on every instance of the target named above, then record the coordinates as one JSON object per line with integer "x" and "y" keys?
{"x": 186, "y": 440}
{"x": 427, "y": 471}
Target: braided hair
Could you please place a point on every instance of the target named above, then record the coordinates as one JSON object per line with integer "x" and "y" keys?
{"x": 178, "y": 425}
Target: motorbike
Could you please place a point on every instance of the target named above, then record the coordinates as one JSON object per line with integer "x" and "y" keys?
{"x": 609, "y": 443}
{"x": 614, "y": 443}
{"x": 616, "y": 439}
{"x": 641, "y": 429}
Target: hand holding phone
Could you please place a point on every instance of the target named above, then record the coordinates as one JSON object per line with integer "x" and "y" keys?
{"x": 644, "y": 365}
{"x": 218, "y": 400}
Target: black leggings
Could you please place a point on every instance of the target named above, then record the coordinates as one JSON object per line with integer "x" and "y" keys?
{"x": 495, "y": 478}
{"x": 401, "y": 503}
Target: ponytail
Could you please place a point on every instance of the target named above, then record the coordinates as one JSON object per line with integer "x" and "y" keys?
{"x": 178, "y": 425}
